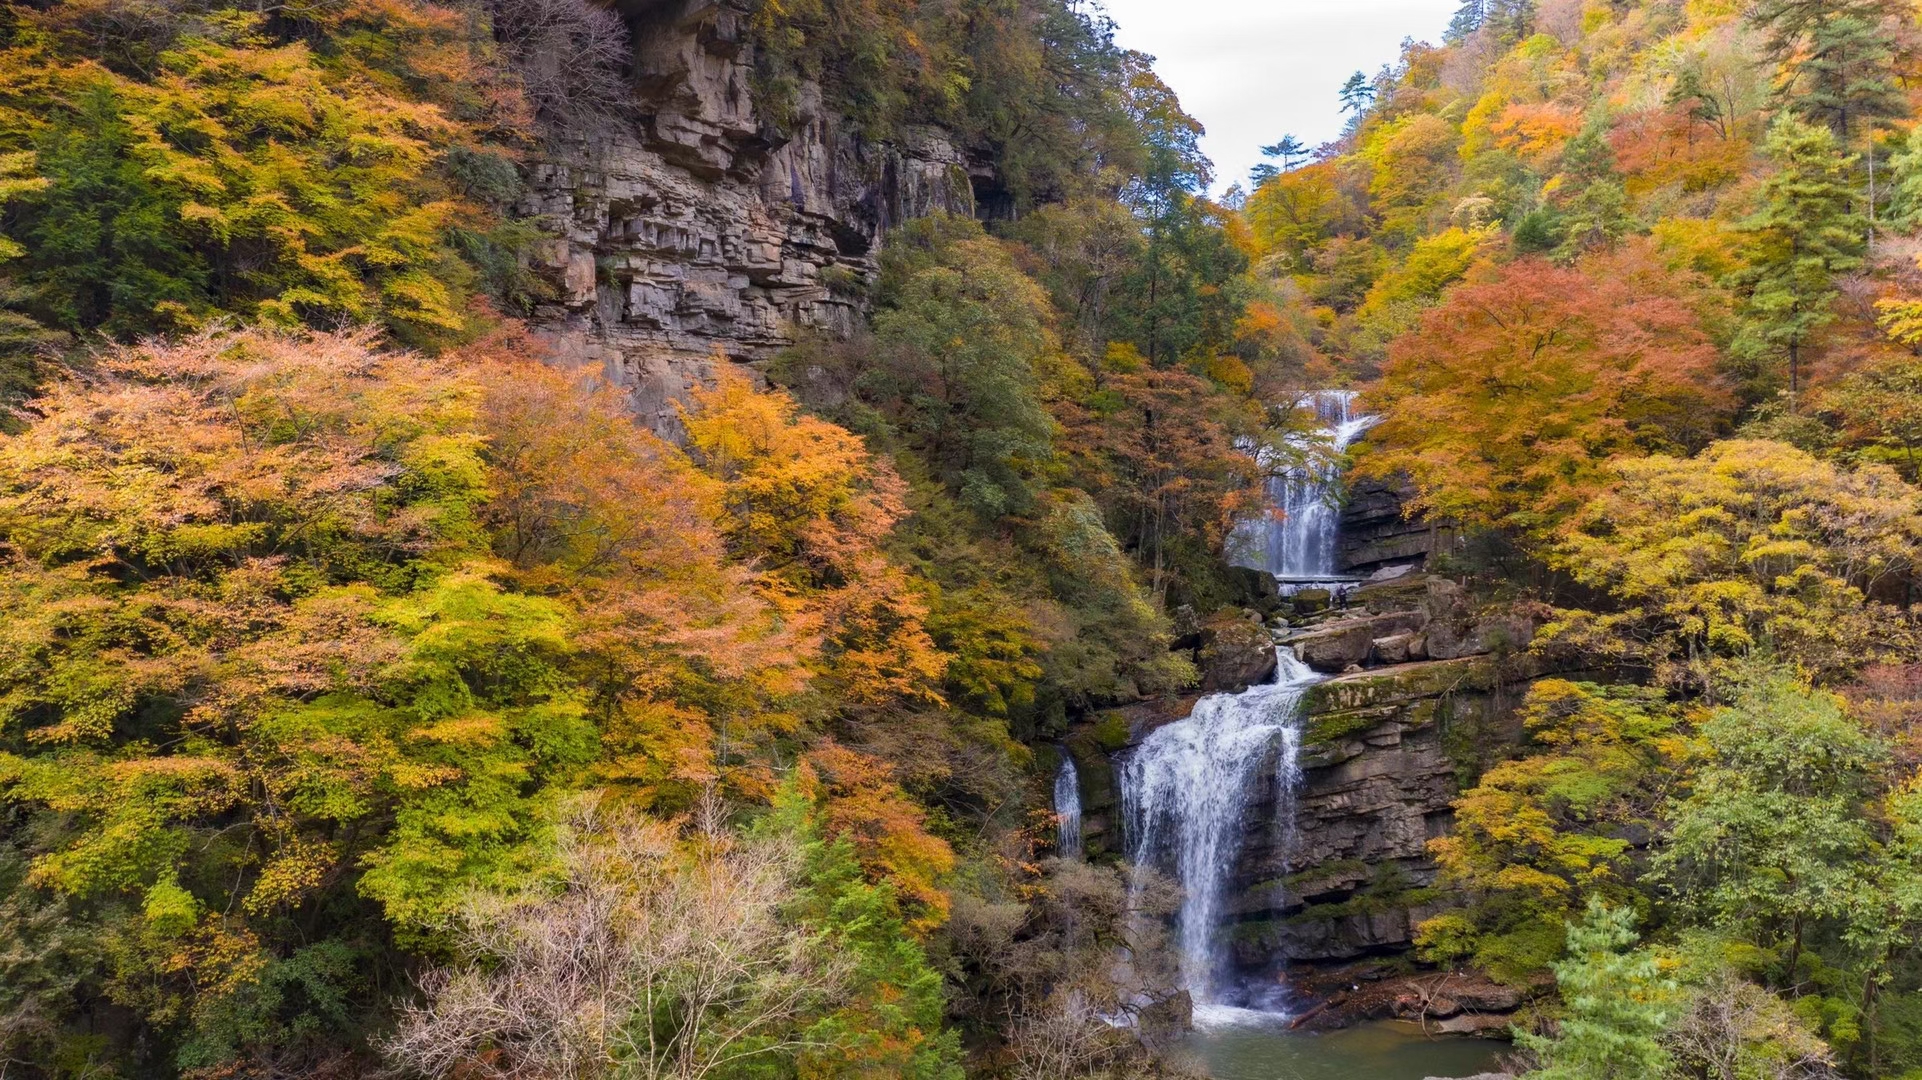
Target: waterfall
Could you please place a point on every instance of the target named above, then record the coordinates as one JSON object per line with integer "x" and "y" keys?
{"x": 1067, "y": 808}
{"x": 1185, "y": 794}
{"x": 1295, "y": 540}
{"x": 1185, "y": 790}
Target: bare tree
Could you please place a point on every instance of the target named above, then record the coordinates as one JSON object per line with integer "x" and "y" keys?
{"x": 571, "y": 57}
{"x": 1075, "y": 971}
{"x": 648, "y": 961}
{"x": 1736, "y": 1030}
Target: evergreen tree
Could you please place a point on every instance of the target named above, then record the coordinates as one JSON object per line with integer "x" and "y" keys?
{"x": 1771, "y": 842}
{"x": 1597, "y": 213}
{"x": 1511, "y": 20}
{"x": 1618, "y": 1004}
{"x": 1836, "y": 61}
{"x": 1807, "y": 231}
{"x": 1357, "y": 94}
{"x": 1905, "y": 199}
{"x": 1467, "y": 20}
{"x": 1287, "y": 150}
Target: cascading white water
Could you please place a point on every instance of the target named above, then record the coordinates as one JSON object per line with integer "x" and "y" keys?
{"x": 1295, "y": 540}
{"x": 1185, "y": 790}
{"x": 1067, "y": 808}
{"x": 1184, "y": 797}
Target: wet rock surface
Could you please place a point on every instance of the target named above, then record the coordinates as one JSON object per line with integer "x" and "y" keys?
{"x": 1387, "y": 746}
{"x": 1443, "y": 1003}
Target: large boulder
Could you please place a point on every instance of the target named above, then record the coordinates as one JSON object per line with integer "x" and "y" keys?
{"x": 1311, "y": 601}
{"x": 1236, "y": 652}
{"x": 1336, "y": 646}
{"x": 1255, "y": 589}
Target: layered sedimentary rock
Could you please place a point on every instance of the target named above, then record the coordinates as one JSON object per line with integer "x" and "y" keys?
{"x": 1376, "y": 532}
{"x": 700, "y": 228}
{"x": 1385, "y": 753}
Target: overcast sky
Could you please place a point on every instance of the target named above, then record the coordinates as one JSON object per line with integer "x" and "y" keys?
{"x": 1255, "y": 70}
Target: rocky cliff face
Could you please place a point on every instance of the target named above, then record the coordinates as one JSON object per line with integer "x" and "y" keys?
{"x": 1385, "y": 753}
{"x": 701, "y": 229}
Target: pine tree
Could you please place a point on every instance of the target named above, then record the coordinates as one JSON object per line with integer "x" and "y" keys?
{"x": 1467, "y": 20}
{"x": 1836, "y": 62}
{"x": 1807, "y": 231}
{"x": 1511, "y": 20}
{"x": 1357, "y": 94}
{"x": 1286, "y": 151}
{"x": 1618, "y": 1004}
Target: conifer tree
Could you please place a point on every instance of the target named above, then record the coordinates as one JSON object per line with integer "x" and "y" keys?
{"x": 1836, "y": 60}
{"x": 1807, "y": 231}
{"x": 1467, "y": 20}
{"x": 1618, "y": 1004}
{"x": 1357, "y": 94}
{"x": 1510, "y": 20}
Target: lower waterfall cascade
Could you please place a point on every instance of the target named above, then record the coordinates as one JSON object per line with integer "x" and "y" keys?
{"x": 1186, "y": 789}
{"x": 1184, "y": 792}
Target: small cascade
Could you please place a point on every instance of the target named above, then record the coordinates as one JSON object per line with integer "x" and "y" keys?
{"x": 1186, "y": 789}
{"x": 1067, "y": 808}
{"x": 1295, "y": 540}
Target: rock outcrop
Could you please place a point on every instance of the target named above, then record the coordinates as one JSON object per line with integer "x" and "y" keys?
{"x": 1376, "y": 533}
{"x": 702, "y": 229}
{"x": 1385, "y": 752}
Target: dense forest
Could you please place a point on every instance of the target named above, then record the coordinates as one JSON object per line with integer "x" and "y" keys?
{"x": 378, "y": 698}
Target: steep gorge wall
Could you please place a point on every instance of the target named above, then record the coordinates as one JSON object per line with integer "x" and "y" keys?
{"x": 701, "y": 228}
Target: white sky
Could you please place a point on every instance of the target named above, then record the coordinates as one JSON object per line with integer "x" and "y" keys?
{"x": 1255, "y": 70}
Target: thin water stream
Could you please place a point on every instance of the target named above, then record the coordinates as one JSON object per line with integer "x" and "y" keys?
{"x": 1067, "y": 807}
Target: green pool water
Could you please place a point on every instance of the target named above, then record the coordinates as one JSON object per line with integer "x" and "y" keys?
{"x": 1256, "y": 1049}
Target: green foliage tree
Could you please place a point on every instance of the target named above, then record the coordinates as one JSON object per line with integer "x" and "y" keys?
{"x": 1537, "y": 834}
{"x": 967, "y": 335}
{"x": 1616, "y": 1004}
{"x": 1770, "y": 840}
{"x": 1808, "y": 230}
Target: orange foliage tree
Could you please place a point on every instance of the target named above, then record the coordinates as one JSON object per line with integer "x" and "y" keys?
{"x": 806, "y": 502}
{"x": 1506, "y": 405}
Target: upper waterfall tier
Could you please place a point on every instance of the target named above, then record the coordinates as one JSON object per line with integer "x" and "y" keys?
{"x": 1295, "y": 539}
